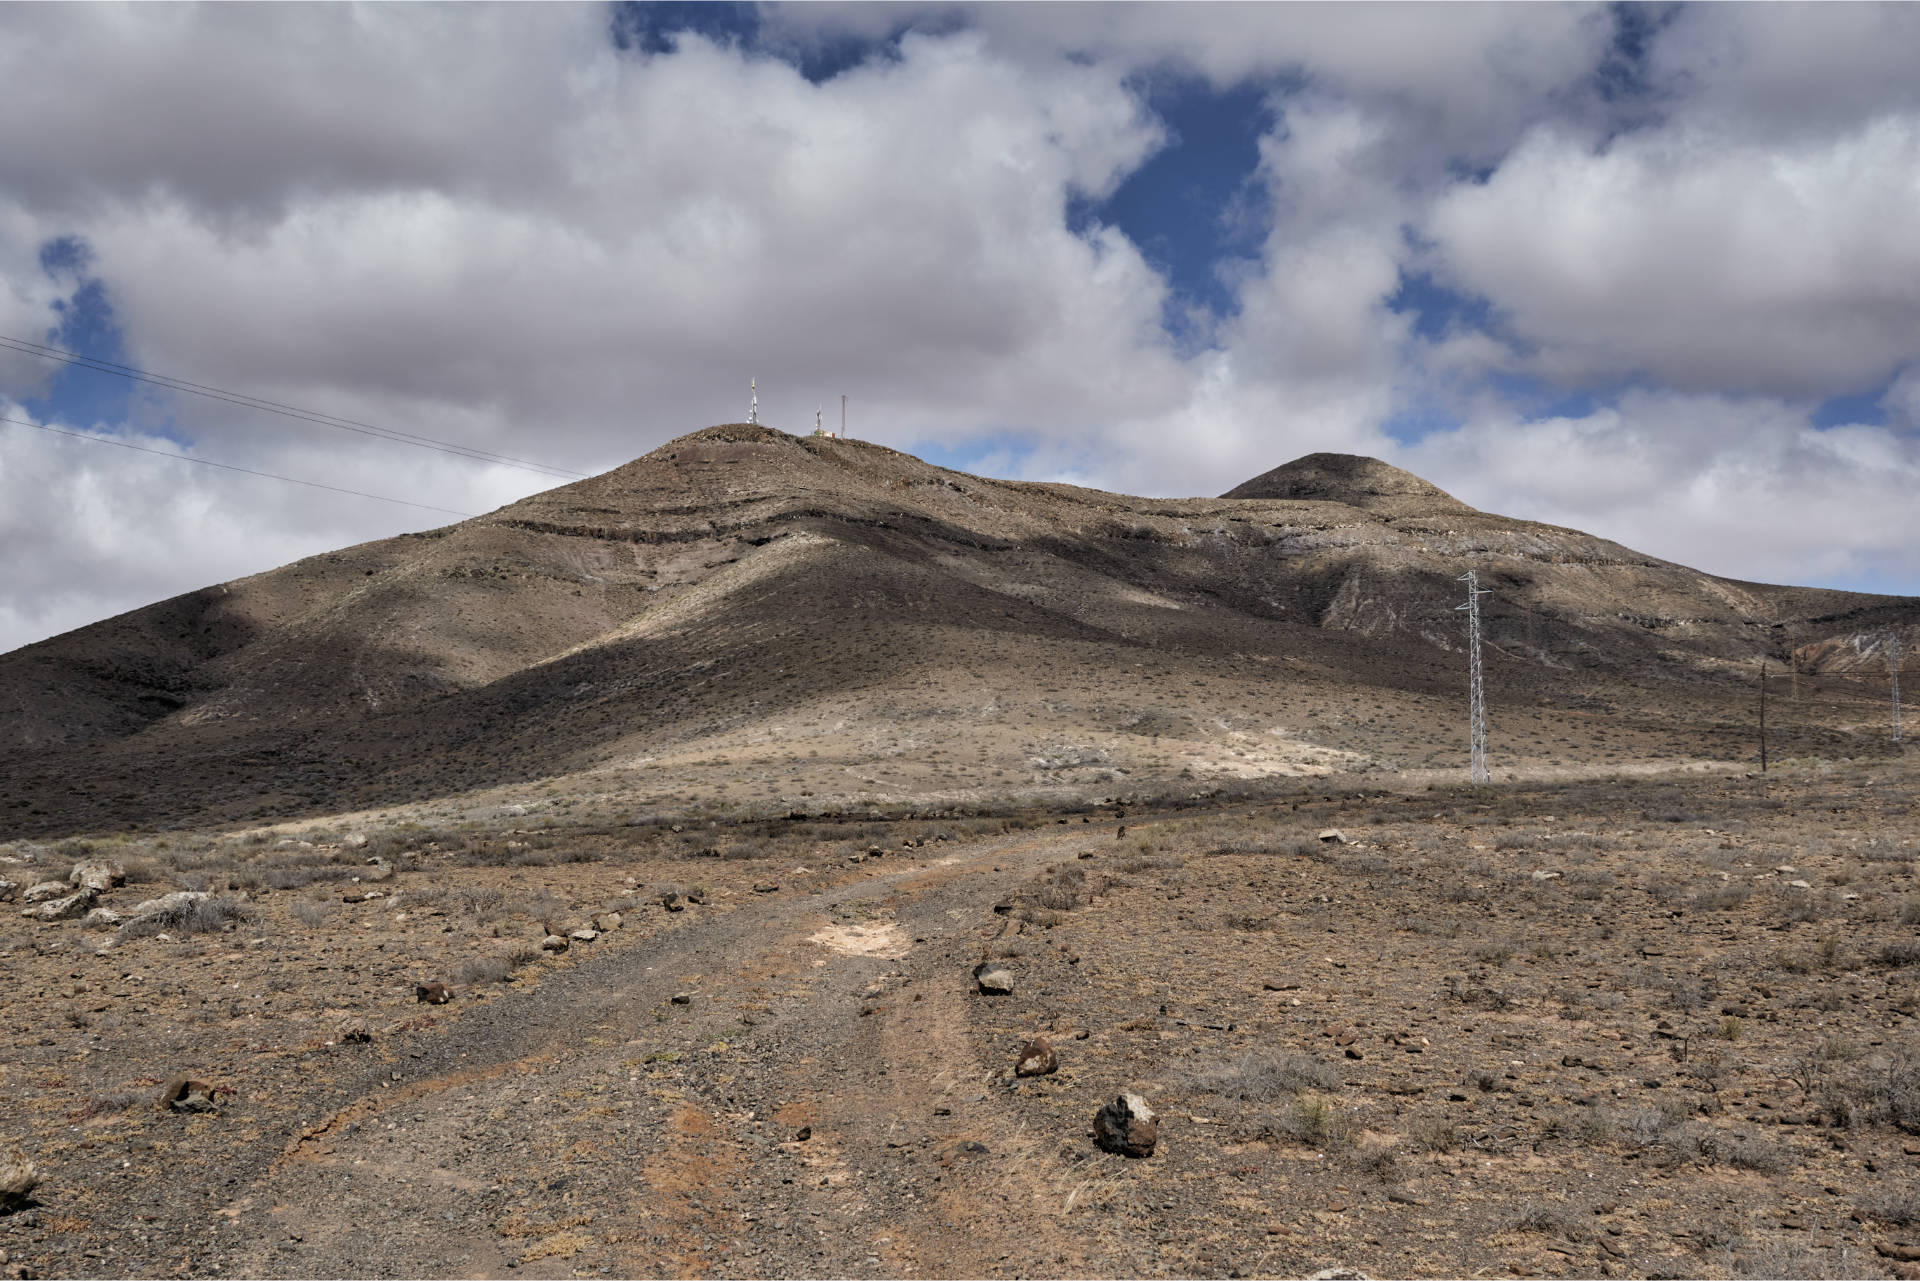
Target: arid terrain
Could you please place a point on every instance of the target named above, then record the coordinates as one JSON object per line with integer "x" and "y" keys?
{"x": 792, "y": 622}
{"x": 666, "y": 876}
{"x": 1618, "y": 1027}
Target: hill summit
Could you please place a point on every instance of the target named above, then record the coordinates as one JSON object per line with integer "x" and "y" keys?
{"x": 767, "y": 620}
{"x": 1353, "y": 479}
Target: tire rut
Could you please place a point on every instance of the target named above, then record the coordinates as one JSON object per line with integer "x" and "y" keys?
{"x": 592, "y": 1124}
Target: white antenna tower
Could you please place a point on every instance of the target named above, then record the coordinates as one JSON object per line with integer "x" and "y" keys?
{"x": 817, "y": 428}
{"x": 1893, "y": 669}
{"x": 753, "y": 402}
{"x": 1477, "y": 697}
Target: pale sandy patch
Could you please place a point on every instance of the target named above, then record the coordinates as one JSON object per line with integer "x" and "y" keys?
{"x": 879, "y": 939}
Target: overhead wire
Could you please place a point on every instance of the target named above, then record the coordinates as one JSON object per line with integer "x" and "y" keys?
{"x": 208, "y": 462}
{"x": 44, "y": 351}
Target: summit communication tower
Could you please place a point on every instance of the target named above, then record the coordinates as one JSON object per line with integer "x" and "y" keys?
{"x": 1477, "y": 693}
{"x": 753, "y": 400}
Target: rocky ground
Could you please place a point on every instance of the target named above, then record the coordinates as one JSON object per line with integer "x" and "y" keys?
{"x": 1631, "y": 1027}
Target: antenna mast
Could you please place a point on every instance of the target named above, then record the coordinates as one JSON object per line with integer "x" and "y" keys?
{"x": 1477, "y": 696}
{"x": 753, "y": 402}
{"x": 1893, "y": 670}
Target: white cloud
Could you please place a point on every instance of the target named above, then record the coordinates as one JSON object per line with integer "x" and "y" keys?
{"x": 484, "y": 224}
{"x": 1738, "y": 486}
{"x": 897, "y": 233}
{"x": 1774, "y": 71}
{"x": 1466, "y": 74}
{"x": 1700, "y": 261}
{"x": 91, "y": 530}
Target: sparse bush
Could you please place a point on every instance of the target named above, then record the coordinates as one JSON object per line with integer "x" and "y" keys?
{"x": 1644, "y": 1127}
{"x": 1903, "y": 952}
{"x": 1746, "y": 1151}
{"x": 1261, "y": 1076}
{"x": 1149, "y": 864}
{"x": 1379, "y": 1159}
{"x": 1896, "y": 1209}
{"x": 198, "y": 917}
{"x": 1892, "y": 1092}
{"x": 312, "y": 913}
{"x": 482, "y": 969}
{"x": 1722, "y": 898}
{"x": 115, "y": 1101}
{"x": 1837, "y": 1049}
{"x": 1434, "y": 1134}
{"x": 1550, "y": 1220}
{"x": 1775, "y": 1259}
{"x": 1313, "y": 1120}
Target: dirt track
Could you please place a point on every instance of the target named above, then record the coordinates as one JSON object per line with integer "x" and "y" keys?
{"x": 537, "y": 1135}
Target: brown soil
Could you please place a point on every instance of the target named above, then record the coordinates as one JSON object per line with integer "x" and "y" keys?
{"x": 1579, "y": 1028}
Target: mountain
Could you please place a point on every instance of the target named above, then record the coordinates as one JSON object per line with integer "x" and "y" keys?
{"x": 765, "y": 619}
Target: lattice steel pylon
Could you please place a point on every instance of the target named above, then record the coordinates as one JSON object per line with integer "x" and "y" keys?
{"x": 753, "y": 401}
{"x": 1893, "y": 674}
{"x": 1477, "y": 696}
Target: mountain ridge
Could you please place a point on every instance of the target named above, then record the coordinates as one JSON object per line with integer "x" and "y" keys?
{"x": 568, "y": 630}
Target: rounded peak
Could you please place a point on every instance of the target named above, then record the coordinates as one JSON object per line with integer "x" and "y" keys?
{"x": 1353, "y": 479}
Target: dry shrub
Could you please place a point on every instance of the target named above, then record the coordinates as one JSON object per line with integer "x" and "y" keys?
{"x": 1434, "y": 1134}
{"x": 201, "y": 916}
{"x": 1903, "y": 952}
{"x": 1313, "y": 1120}
{"x": 483, "y": 969}
{"x": 312, "y": 912}
{"x": 1261, "y": 1076}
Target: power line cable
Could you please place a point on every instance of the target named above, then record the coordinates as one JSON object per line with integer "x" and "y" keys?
{"x": 208, "y": 462}
{"x": 27, "y": 347}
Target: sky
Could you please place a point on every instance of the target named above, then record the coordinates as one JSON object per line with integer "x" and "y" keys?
{"x": 1650, "y": 271}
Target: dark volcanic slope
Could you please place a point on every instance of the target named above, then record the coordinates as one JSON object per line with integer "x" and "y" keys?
{"x": 740, "y": 577}
{"x": 1366, "y": 483}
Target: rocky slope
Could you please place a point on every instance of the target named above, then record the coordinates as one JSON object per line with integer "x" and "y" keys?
{"x": 741, "y": 586}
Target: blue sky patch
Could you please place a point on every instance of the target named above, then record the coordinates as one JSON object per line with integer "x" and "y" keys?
{"x": 1188, "y": 208}
{"x": 85, "y": 324}
{"x": 1437, "y": 310}
{"x": 1858, "y": 409}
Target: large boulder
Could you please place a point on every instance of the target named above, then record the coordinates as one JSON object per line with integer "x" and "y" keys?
{"x": 72, "y": 907}
{"x": 993, "y": 979}
{"x": 167, "y": 902}
{"x": 1036, "y": 1058}
{"x": 99, "y": 875}
{"x": 103, "y": 918}
{"x": 1127, "y": 1126}
{"x": 182, "y": 1093}
{"x": 45, "y": 890}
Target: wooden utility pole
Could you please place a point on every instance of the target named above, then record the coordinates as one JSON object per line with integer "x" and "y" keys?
{"x": 1763, "y": 716}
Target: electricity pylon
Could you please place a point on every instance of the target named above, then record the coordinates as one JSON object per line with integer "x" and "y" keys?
{"x": 753, "y": 400}
{"x": 1893, "y": 671}
{"x": 1477, "y": 696}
